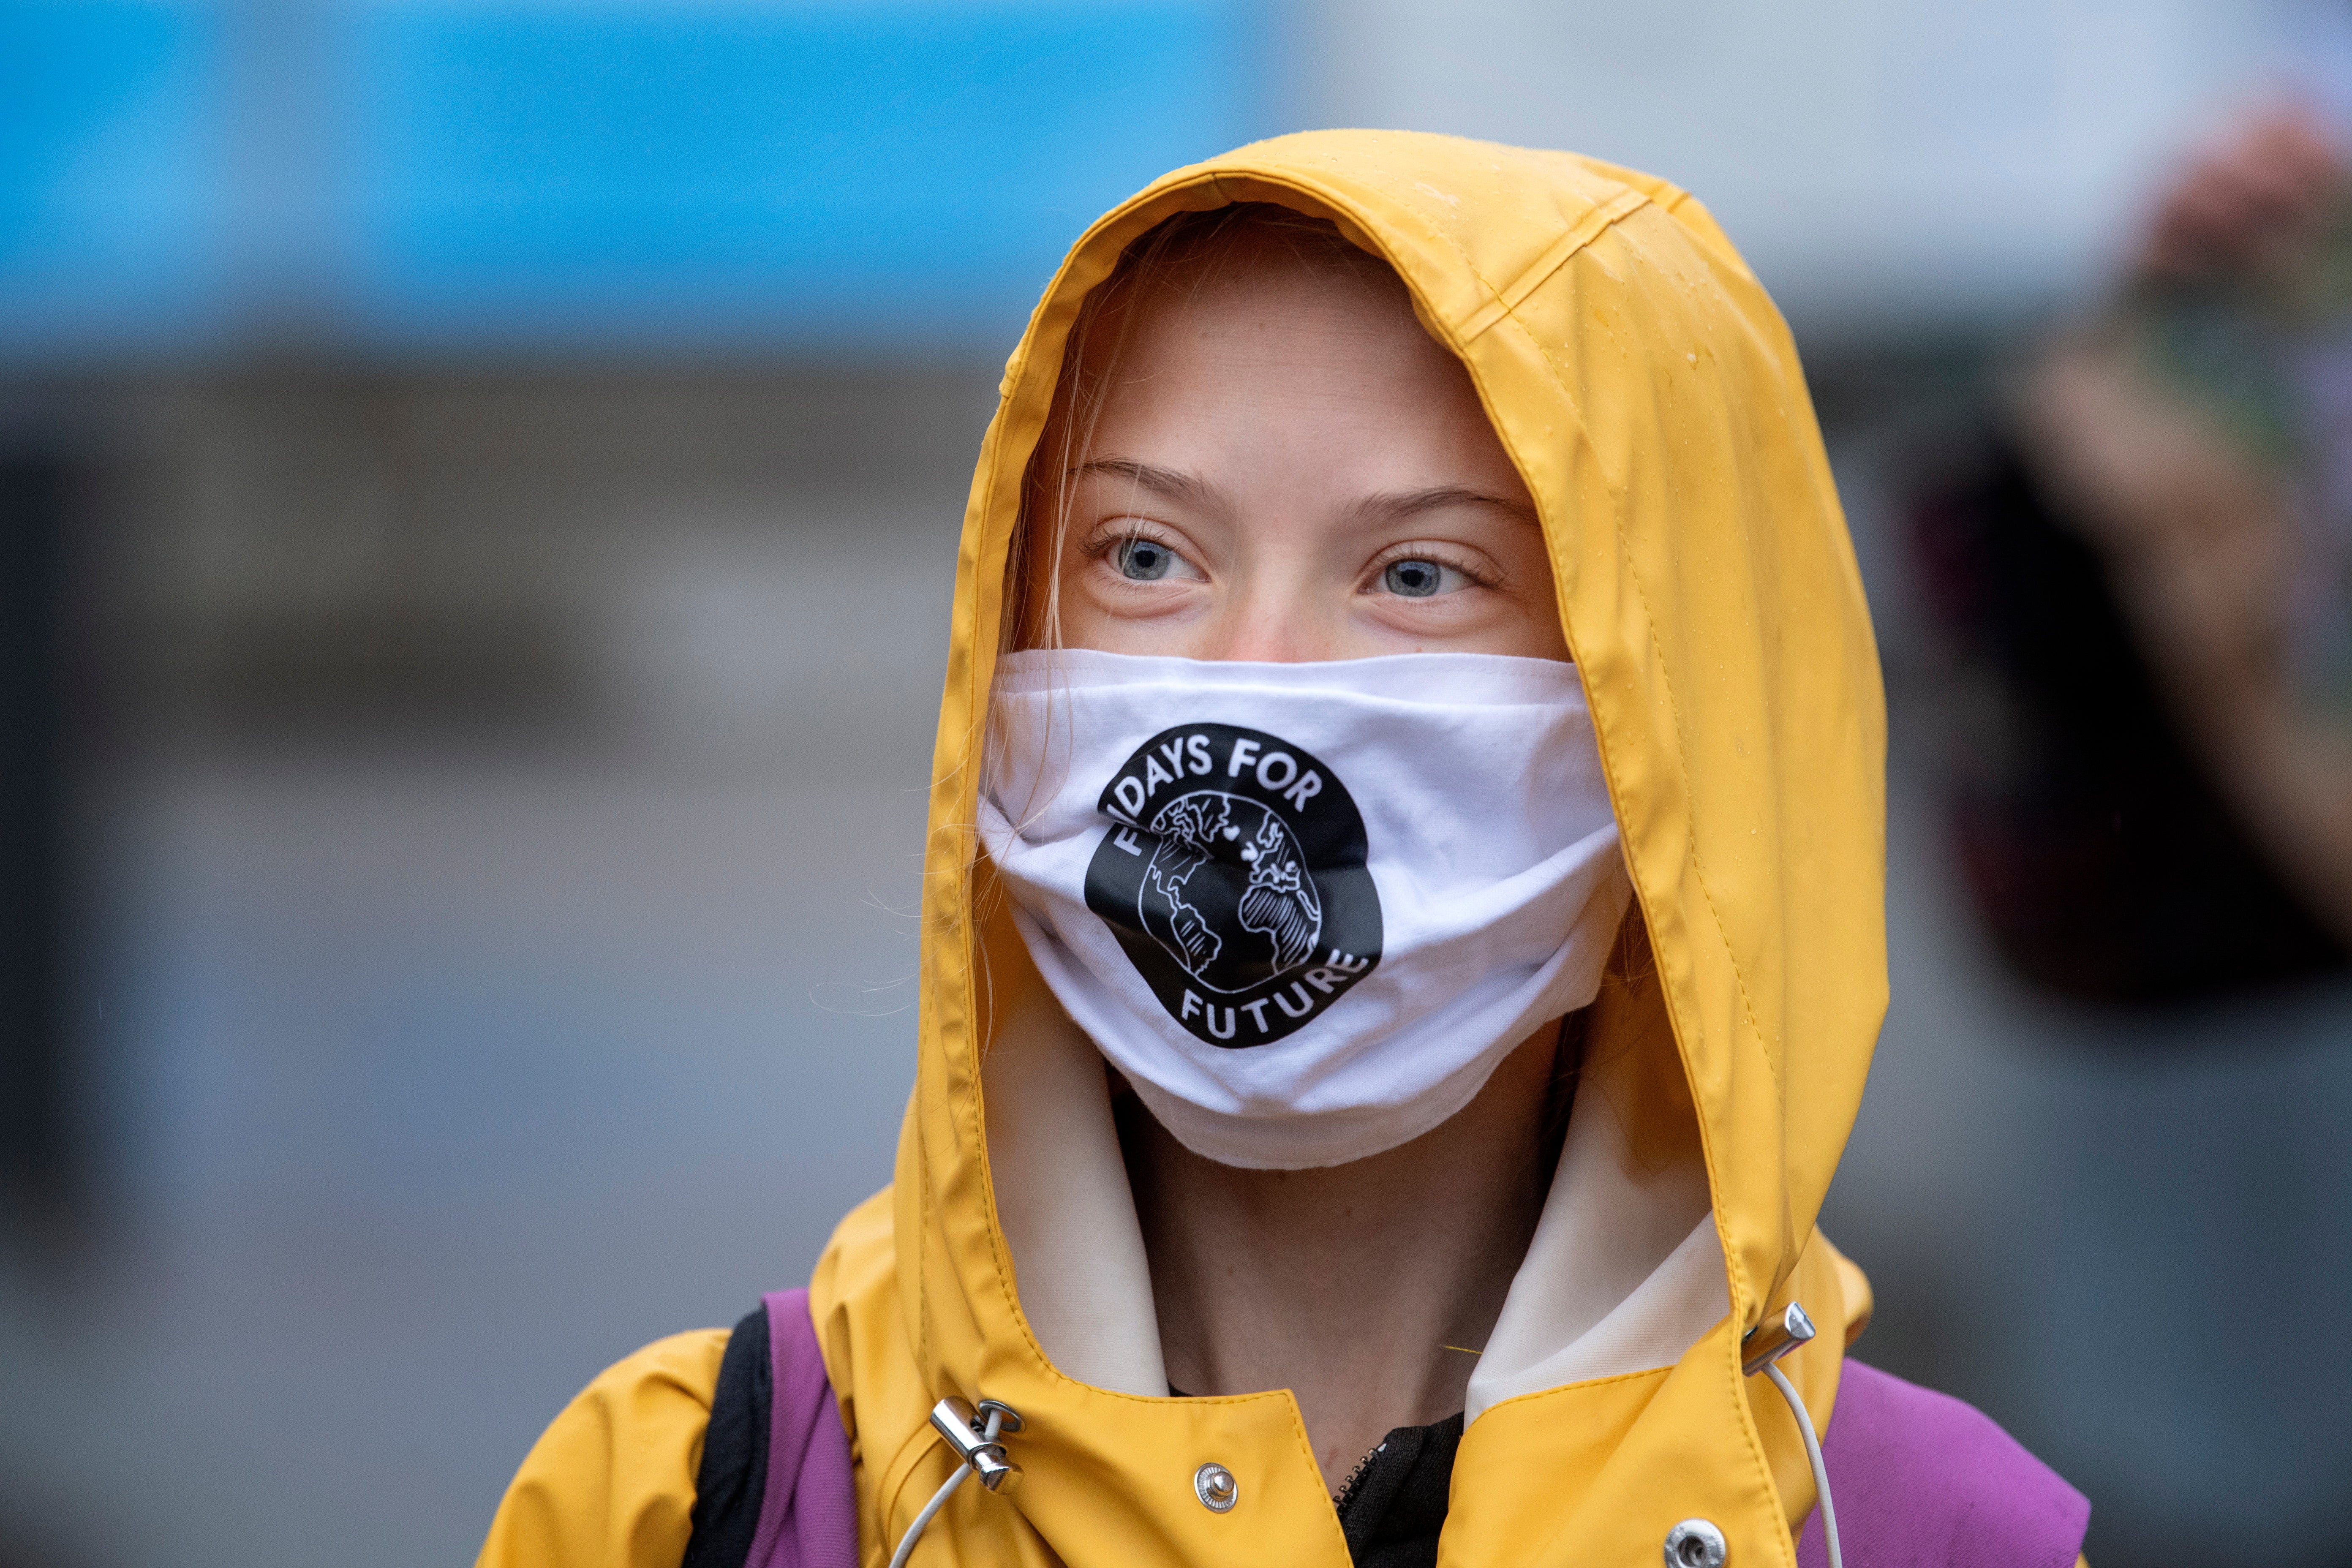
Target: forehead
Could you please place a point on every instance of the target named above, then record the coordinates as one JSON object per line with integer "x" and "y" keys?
{"x": 1260, "y": 328}
{"x": 1231, "y": 291}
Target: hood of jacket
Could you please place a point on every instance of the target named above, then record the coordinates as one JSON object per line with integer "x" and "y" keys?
{"x": 1650, "y": 394}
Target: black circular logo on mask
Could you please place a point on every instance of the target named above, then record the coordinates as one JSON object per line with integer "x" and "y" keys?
{"x": 1233, "y": 877}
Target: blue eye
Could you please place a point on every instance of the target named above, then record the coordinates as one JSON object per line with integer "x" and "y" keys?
{"x": 1144, "y": 560}
{"x": 1414, "y": 579}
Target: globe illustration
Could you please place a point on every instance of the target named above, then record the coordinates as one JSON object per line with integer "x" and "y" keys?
{"x": 1227, "y": 891}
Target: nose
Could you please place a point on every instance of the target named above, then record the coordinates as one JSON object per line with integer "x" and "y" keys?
{"x": 1272, "y": 622}
{"x": 1265, "y": 643}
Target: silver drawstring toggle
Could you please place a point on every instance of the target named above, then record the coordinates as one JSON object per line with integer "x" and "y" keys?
{"x": 972, "y": 1433}
{"x": 1769, "y": 1341}
{"x": 1759, "y": 1348}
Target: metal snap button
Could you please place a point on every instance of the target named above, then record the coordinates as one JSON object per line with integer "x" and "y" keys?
{"x": 1695, "y": 1543}
{"x": 1215, "y": 1487}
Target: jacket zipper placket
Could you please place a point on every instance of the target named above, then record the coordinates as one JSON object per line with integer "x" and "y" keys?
{"x": 1339, "y": 1498}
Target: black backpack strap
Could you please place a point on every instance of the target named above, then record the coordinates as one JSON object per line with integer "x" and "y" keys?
{"x": 732, "y": 1483}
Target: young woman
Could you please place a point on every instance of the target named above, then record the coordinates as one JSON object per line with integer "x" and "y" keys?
{"x": 1401, "y": 951}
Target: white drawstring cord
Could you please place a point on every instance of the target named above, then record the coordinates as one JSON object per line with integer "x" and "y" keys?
{"x": 923, "y": 1519}
{"x": 978, "y": 1453}
{"x": 1778, "y": 1339}
{"x": 1812, "y": 1456}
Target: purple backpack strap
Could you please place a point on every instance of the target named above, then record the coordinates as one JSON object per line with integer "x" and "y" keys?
{"x": 808, "y": 1513}
{"x": 1922, "y": 1480}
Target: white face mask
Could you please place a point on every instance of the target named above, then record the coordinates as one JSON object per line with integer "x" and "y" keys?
{"x": 1303, "y": 908}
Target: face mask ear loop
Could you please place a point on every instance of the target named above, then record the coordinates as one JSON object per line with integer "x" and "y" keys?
{"x": 1765, "y": 1344}
{"x": 974, "y": 1439}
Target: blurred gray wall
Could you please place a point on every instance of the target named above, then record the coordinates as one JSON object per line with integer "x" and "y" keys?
{"x": 503, "y": 832}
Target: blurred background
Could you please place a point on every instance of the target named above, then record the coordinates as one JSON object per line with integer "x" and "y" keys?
{"x": 478, "y": 491}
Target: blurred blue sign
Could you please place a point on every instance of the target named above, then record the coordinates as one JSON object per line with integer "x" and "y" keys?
{"x": 667, "y": 173}
{"x": 112, "y": 172}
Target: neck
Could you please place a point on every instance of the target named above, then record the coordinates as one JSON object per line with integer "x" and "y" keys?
{"x": 1365, "y": 1289}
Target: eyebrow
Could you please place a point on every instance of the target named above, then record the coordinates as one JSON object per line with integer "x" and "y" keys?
{"x": 1170, "y": 484}
{"x": 1399, "y": 505}
{"x": 1395, "y": 506}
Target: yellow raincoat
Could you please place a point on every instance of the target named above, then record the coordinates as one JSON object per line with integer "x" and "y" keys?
{"x": 1651, "y": 396}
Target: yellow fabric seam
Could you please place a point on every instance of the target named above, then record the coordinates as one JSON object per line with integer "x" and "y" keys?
{"x": 976, "y": 697}
{"x": 1589, "y": 1383}
{"x": 1751, "y": 1439}
{"x": 1681, "y": 745}
{"x": 1734, "y": 1280}
{"x": 1578, "y": 235}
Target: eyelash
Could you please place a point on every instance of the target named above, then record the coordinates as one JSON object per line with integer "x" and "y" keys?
{"x": 1480, "y": 574}
{"x": 1106, "y": 540}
